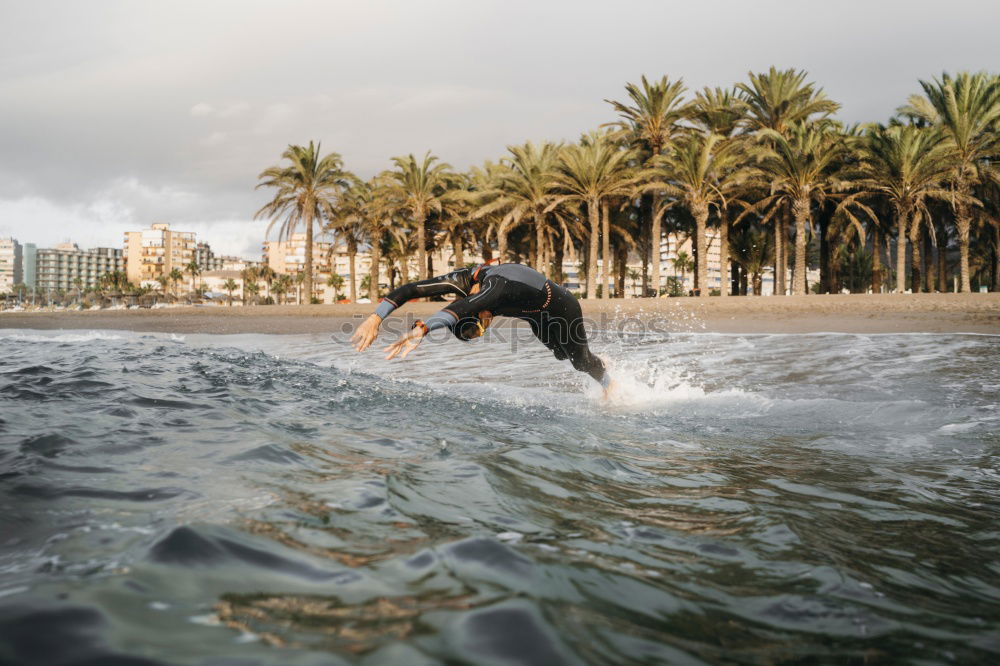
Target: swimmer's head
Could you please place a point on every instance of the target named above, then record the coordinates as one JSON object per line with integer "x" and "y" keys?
{"x": 471, "y": 328}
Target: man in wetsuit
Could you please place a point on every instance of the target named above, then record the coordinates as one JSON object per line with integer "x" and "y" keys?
{"x": 509, "y": 290}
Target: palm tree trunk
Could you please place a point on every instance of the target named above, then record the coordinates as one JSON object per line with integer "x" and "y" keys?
{"x": 558, "y": 252}
{"x": 876, "y": 259}
{"x": 943, "y": 268}
{"x": 654, "y": 244}
{"x": 927, "y": 260}
{"x": 540, "y": 242}
{"x": 404, "y": 269}
{"x": 995, "y": 223}
{"x": 963, "y": 222}
{"x": 648, "y": 203}
{"x": 824, "y": 251}
{"x": 352, "y": 252}
{"x": 606, "y": 278}
{"x": 700, "y": 213}
{"x": 421, "y": 246}
{"x": 594, "y": 213}
{"x": 502, "y": 244}
{"x": 800, "y": 210}
{"x": 485, "y": 249}
{"x": 621, "y": 261}
{"x": 308, "y": 220}
{"x": 694, "y": 266}
{"x": 456, "y": 245}
{"x": 901, "y": 223}
{"x": 915, "y": 265}
{"x": 724, "y": 278}
{"x": 779, "y": 273}
{"x": 376, "y": 258}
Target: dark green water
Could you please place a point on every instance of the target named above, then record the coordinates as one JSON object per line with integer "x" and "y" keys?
{"x": 279, "y": 500}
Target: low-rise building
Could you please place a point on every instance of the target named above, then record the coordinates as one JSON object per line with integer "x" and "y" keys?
{"x": 215, "y": 283}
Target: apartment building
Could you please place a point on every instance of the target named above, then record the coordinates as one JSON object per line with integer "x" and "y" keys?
{"x": 10, "y": 265}
{"x": 231, "y": 263}
{"x": 61, "y": 267}
{"x": 206, "y": 259}
{"x": 671, "y": 247}
{"x": 288, "y": 257}
{"x": 157, "y": 251}
{"x": 29, "y": 264}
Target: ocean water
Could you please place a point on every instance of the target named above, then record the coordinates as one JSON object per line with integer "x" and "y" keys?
{"x": 256, "y": 499}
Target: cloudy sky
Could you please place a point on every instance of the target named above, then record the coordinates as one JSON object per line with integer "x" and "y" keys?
{"x": 115, "y": 114}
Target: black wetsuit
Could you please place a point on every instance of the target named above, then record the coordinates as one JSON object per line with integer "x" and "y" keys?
{"x": 509, "y": 290}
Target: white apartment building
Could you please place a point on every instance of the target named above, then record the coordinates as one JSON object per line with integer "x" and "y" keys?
{"x": 10, "y": 265}
{"x": 671, "y": 245}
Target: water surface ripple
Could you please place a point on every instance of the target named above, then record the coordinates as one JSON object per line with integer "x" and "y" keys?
{"x": 261, "y": 500}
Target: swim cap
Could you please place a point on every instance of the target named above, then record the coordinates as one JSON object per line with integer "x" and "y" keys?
{"x": 468, "y": 328}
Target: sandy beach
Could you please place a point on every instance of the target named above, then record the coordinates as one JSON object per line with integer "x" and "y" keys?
{"x": 855, "y": 313}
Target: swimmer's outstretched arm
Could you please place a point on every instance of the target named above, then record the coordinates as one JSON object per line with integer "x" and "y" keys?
{"x": 410, "y": 341}
{"x": 435, "y": 286}
{"x": 456, "y": 311}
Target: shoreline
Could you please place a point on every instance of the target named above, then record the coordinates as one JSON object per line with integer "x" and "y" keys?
{"x": 840, "y": 313}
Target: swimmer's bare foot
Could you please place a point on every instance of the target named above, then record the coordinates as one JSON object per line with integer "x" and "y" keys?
{"x": 611, "y": 389}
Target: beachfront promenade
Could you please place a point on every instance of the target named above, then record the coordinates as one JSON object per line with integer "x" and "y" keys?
{"x": 846, "y": 313}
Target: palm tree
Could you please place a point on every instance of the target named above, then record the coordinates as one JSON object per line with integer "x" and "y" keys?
{"x": 164, "y": 281}
{"x": 522, "y": 192}
{"x": 722, "y": 112}
{"x": 176, "y": 276}
{"x": 337, "y": 283}
{"x": 589, "y": 173}
{"x": 752, "y": 250}
{"x": 422, "y": 188}
{"x": 281, "y": 284}
{"x": 683, "y": 263}
{"x": 253, "y": 289}
{"x": 230, "y": 286}
{"x": 306, "y": 192}
{"x": 967, "y": 108}
{"x": 650, "y": 120}
{"x": 797, "y": 165}
{"x": 701, "y": 171}
{"x": 779, "y": 100}
{"x": 249, "y": 276}
{"x": 906, "y": 166}
{"x": 267, "y": 274}
{"x": 483, "y": 185}
{"x": 364, "y": 215}
{"x": 297, "y": 280}
{"x": 194, "y": 270}
{"x": 348, "y": 231}
{"x": 719, "y": 111}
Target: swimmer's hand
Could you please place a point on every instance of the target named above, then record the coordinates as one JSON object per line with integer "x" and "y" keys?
{"x": 366, "y": 333}
{"x": 405, "y": 344}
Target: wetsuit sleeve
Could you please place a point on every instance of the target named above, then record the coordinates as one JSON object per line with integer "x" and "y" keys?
{"x": 488, "y": 297}
{"x": 435, "y": 286}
